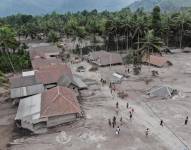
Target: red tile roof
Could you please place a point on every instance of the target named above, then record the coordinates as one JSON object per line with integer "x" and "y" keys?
{"x": 39, "y": 63}
{"x": 51, "y": 74}
{"x": 156, "y": 60}
{"x": 59, "y": 101}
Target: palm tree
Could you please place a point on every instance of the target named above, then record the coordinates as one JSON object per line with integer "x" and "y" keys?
{"x": 150, "y": 44}
{"x": 181, "y": 20}
{"x": 7, "y": 42}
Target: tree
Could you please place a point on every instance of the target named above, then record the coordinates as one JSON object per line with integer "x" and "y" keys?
{"x": 156, "y": 21}
{"x": 53, "y": 37}
{"x": 181, "y": 20}
{"x": 150, "y": 44}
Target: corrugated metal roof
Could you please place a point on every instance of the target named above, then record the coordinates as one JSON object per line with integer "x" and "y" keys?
{"x": 79, "y": 83}
{"x": 67, "y": 81}
{"x": 26, "y": 91}
{"x": 29, "y": 109}
{"x": 20, "y": 81}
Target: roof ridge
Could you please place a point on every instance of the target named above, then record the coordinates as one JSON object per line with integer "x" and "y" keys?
{"x": 46, "y": 109}
{"x": 61, "y": 94}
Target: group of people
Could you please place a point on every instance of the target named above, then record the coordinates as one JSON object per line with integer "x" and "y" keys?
{"x": 113, "y": 122}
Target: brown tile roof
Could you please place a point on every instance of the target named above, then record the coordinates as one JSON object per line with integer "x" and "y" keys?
{"x": 104, "y": 58}
{"x": 155, "y": 60}
{"x": 51, "y": 74}
{"x": 39, "y": 63}
{"x": 41, "y": 51}
{"x": 59, "y": 101}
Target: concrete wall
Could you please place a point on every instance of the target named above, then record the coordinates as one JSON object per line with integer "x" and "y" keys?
{"x": 57, "y": 120}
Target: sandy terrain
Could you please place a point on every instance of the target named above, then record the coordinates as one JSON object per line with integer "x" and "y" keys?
{"x": 7, "y": 113}
{"x": 99, "y": 105}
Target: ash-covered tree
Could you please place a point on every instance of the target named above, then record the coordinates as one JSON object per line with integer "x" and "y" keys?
{"x": 156, "y": 21}
{"x": 53, "y": 37}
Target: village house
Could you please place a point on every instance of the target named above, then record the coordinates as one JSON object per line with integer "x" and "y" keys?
{"x": 50, "y": 75}
{"x": 53, "y": 107}
{"x": 103, "y": 58}
{"x": 39, "y": 63}
{"x": 50, "y": 51}
{"x": 60, "y": 74}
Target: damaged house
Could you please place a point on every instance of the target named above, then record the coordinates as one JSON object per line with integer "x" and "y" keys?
{"x": 103, "y": 58}
{"x": 48, "y": 109}
{"x": 157, "y": 61}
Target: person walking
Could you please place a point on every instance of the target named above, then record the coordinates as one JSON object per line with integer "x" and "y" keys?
{"x": 117, "y": 130}
{"x": 109, "y": 122}
{"x": 127, "y": 105}
{"x": 147, "y": 132}
{"x": 114, "y": 121}
{"x": 130, "y": 115}
{"x": 117, "y": 105}
{"x": 162, "y": 123}
{"x": 121, "y": 121}
{"x": 186, "y": 121}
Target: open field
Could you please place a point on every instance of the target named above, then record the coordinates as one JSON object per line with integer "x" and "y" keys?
{"x": 99, "y": 105}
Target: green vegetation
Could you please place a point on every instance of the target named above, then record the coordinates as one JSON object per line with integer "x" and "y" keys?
{"x": 13, "y": 56}
{"x": 121, "y": 30}
{"x": 3, "y": 80}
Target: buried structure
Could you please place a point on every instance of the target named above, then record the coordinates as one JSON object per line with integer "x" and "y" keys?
{"x": 51, "y": 108}
{"x": 162, "y": 91}
{"x": 157, "y": 61}
{"x": 103, "y": 58}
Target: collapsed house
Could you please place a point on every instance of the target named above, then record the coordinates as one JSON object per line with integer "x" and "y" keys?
{"x": 157, "y": 61}
{"x": 48, "y": 109}
{"x": 103, "y": 58}
{"x": 187, "y": 50}
{"x": 25, "y": 85}
{"x": 162, "y": 91}
{"x": 74, "y": 83}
